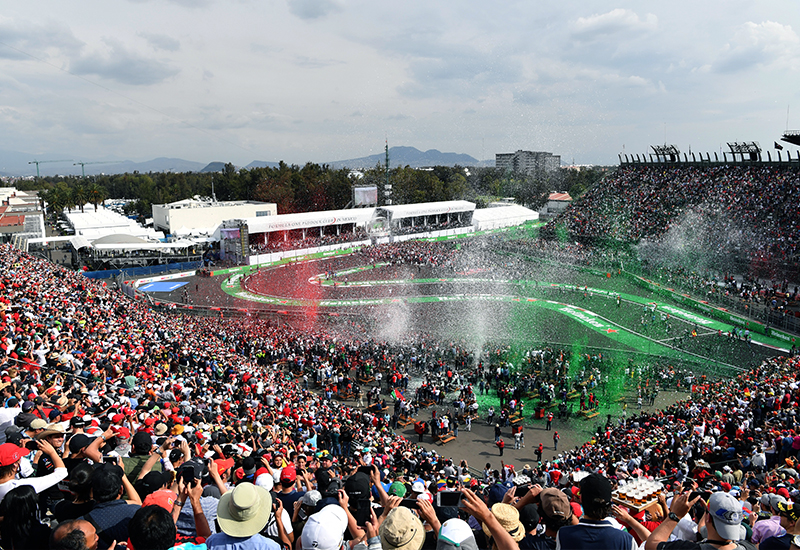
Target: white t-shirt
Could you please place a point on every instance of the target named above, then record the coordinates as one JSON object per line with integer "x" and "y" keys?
{"x": 39, "y": 484}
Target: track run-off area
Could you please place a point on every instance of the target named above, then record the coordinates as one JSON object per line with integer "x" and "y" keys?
{"x": 577, "y": 304}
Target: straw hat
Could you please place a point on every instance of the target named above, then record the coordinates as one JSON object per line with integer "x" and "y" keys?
{"x": 52, "y": 429}
{"x": 402, "y": 530}
{"x": 244, "y": 511}
{"x": 508, "y": 517}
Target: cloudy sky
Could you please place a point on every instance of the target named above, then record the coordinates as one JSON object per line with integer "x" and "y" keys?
{"x": 323, "y": 80}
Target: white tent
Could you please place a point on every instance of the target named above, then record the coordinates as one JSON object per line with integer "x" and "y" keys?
{"x": 502, "y": 216}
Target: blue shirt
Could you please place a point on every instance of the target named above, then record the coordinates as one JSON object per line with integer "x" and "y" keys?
{"x": 590, "y": 534}
{"x": 111, "y": 521}
{"x": 223, "y": 541}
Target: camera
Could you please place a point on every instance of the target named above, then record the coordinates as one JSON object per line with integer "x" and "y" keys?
{"x": 448, "y": 499}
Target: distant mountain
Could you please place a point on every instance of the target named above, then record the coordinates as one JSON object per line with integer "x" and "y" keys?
{"x": 16, "y": 163}
{"x": 161, "y": 164}
{"x": 408, "y": 156}
{"x": 214, "y": 167}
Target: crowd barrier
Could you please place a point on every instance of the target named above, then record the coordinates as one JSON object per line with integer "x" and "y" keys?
{"x": 139, "y": 271}
{"x": 718, "y": 313}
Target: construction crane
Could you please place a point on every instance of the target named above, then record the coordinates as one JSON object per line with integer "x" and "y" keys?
{"x": 83, "y": 170}
{"x": 38, "y": 162}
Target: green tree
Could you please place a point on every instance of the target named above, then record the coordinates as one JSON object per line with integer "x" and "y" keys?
{"x": 79, "y": 196}
{"x": 96, "y": 194}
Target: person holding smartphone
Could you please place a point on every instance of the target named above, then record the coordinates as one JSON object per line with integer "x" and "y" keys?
{"x": 10, "y": 456}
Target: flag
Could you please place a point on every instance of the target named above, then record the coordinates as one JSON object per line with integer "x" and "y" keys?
{"x": 700, "y": 430}
{"x": 398, "y": 395}
{"x": 778, "y": 146}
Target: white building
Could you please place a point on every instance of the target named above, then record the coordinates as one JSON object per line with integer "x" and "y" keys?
{"x": 555, "y": 205}
{"x": 528, "y": 162}
{"x": 195, "y": 217}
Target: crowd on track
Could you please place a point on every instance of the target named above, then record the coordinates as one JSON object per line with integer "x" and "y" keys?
{"x": 126, "y": 427}
{"x": 750, "y": 208}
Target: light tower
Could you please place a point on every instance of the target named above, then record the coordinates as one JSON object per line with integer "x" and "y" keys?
{"x": 387, "y": 187}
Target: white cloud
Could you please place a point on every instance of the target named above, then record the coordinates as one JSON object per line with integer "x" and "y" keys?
{"x": 615, "y": 22}
{"x": 313, "y": 9}
{"x": 765, "y": 45}
{"x": 123, "y": 65}
{"x": 161, "y": 41}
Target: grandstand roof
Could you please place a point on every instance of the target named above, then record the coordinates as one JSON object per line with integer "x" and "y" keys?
{"x": 95, "y": 225}
{"x": 283, "y": 222}
{"x": 502, "y": 216}
{"x": 559, "y": 197}
{"x": 399, "y": 211}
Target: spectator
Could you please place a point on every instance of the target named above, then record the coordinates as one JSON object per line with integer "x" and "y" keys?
{"x": 594, "y": 530}
{"x": 111, "y": 514}
{"x": 21, "y": 528}
{"x": 723, "y": 521}
{"x": 75, "y": 534}
{"x": 325, "y": 529}
{"x": 10, "y": 456}
{"x": 242, "y": 514}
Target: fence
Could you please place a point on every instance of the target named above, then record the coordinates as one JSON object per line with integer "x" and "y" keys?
{"x": 140, "y": 271}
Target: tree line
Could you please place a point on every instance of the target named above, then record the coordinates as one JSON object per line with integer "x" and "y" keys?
{"x": 311, "y": 187}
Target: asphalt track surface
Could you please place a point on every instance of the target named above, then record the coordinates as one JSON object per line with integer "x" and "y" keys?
{"x": 401, "y": 300}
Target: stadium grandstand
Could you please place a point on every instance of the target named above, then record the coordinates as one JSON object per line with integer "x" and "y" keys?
{"x": 130, "y": 423}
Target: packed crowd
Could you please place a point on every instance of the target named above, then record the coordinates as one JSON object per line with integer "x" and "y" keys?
{"x": 418, "y": 253}
{"x": 297, "y": 242}
{"x": 752, "y": 209}
{"x": 123, "y": 425}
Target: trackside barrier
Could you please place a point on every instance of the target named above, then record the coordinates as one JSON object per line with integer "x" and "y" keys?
{"x": 718, "y": 313}
{"x": 139, "y": 271}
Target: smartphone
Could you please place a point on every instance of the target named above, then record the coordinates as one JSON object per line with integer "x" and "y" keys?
{"x": 704, "y": 495}
{"x": 365, "y": 469}
{"x": 522, "y": 491}
{"x": 448, "y": 499}
{"x": 108, "y": 459}
{"x": 409, "y": 503}
{"x": 188, "y": 475}
{"x": 362, "y": 515}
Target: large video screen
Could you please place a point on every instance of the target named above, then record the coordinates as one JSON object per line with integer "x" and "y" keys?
{"x": 365, "y": 196}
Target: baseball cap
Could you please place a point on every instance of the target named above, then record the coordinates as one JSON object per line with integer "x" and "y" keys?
{"x": 789, "y": 510}
{"x": 325, "y": 529}
{"x": 418, "y": 487}
{"x": 555, "y": 504}
{"x": 38, "y": 424}
{"x": 357, "y": 486}
{"x": 142, "y": 442}
{"x": 224, "y": 464}
{"x": 288, "y": 474}
{"x": 595, "y": 487}
{"x": 266, "y": 481}
{"x": 164, "y": 498}
{"x": 79, "y": 442}
{"x": 311, "y": 498}
{"x": 397, "y": 489}
{"x": 529, "y": 516}
{"x": 10, "y": 453}
{"x": 456, "y": 534}
{"x": 496, "y": 493}
{"x": 726, "y": 512}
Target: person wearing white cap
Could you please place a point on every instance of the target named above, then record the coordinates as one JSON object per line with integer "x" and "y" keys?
{"x": 724, "y": 523}
{"x": 325, "y": 529}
